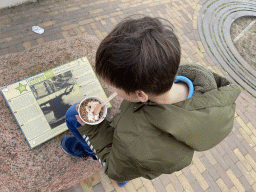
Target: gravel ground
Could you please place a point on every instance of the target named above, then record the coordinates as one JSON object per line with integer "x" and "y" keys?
{"x": 246, "y": 45}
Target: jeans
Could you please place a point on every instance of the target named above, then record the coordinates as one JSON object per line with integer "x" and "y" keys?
{"x": 73, "y": 124}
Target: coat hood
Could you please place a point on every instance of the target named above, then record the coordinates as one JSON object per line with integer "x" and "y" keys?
{"x": 204, "y": 120}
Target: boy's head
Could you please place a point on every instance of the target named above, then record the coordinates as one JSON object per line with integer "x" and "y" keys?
{"x": 139, "y": 54}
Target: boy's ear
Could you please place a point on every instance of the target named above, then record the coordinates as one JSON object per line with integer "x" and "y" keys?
{"x": 142, "y": 96}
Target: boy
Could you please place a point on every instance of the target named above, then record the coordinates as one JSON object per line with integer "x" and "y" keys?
{"x": 161, "y": 124}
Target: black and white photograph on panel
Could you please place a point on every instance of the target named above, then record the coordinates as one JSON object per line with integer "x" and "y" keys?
{"x": 55, "y": 96}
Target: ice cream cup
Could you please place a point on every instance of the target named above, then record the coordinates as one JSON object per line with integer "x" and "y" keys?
{"x": 104, "y": 112}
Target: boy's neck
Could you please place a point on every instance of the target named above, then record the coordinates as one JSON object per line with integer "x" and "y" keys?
{"x": 178, "y": 92}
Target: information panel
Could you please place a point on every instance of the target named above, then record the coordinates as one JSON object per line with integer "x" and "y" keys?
{"x": 39, "y": 103}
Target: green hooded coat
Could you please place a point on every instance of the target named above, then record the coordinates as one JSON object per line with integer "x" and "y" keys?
{"x": 151, "y": 139}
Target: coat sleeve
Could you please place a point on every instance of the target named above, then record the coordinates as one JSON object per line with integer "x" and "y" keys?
{"x": 110, "y": 152}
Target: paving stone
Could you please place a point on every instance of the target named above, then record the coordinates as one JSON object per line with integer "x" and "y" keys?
{"x": 30, "y": 37}
{"x": 169, "y": 187}
{"x": 33, "y": 43}
{"x": 106, "y": 182}
{"x": 59, "y": 36}
{"x": 51, "y": 31}
{"x": 86, "y": 21}
{"x": 222, "y": 185}
{"x": 148, "y": 185}
{"x": 178, "y": 173}
{"x": 250, "y": 116}
{"x": 142, "y": 190}
{"x": 4, "y": 51}
{"x": 223, "y": 176}
{"x": 247, "y": 97}
{"x": 65, "y": 34}
{"x": 200, "y": 179}
{"x": 89, "y": 30}
{"x": 158, "y": 185}
{"x": 49, "y": 38}
{"x": 246, "y": 137}
{"x": 71, "y": 32}
{"x": 13, "y": 49}
{"x": 40, "y": 41}
{"x": 175, "y": 182}
{"x": 99, "y": 34}
{"x": 209, "y": 167}
{"x": 20, "y": 47}
{"x": 230, "y": 141}
{"x": 99, "y": 26}
{"x": 86, "y": 185}
{"x": 246, "y": 185}
{"x": 98, "y": 188}
{"x": 249, "y": 149}
{"x": 253, "y": 174}
{"x": 213, "y": 186}
{"x": 94, "y": 179}
{"x": 78, "y": 188}
{"x": 219, "y": 159}
{"x": 185, "y": 183}
{"x": 196, "y": 186}
{"x": 164, "y": 179}
{"x": 199, "y": 154}
{"x": 251, "y": 161}
{"x": 62, "y": 23}
{"x": 242, "y": 159}
{"x": 234, "y": 189}
{"x": 235, "y": 180}
{"x": 240, "y": 108}
{"x": 130, "y": 187}
{"x": 27, "y": 45}
{"x": 245, "y": 172}
{"x": 210, "y": 157}
{"x": 72, "y": 9}
{"x": 232, "y": 166}
{"x": 11, "y": 43}
{"x": 75, "y": 188}
{"x": 71, "y": 26}
{"x": 190, "y": 177}
{"x": 137, "y": 183}
{"x": 77, "y": 31}
{"x": 237, "y": 143}
{"x": 238, "y": 135}
{"x": 46, "y": 24}
{"x": 242, "y": 121}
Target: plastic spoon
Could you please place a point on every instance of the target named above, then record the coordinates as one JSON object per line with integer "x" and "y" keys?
{"x": 98, "y": 107}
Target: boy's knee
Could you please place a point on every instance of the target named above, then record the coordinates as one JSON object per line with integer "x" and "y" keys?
{"x": 71, "y": 112}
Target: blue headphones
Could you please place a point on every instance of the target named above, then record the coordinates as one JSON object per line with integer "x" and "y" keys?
{"x": 189, "y": 83}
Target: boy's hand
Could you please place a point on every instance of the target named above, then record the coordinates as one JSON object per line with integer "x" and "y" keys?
{"x": 78, "y": 118}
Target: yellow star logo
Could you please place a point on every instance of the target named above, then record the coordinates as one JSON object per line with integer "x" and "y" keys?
{"x": 21, "y": 88}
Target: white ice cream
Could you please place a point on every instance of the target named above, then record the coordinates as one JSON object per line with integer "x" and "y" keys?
{"x": 89, "y": 108}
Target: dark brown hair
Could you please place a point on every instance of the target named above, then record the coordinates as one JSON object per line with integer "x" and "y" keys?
{"x": 140, "y": 54}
